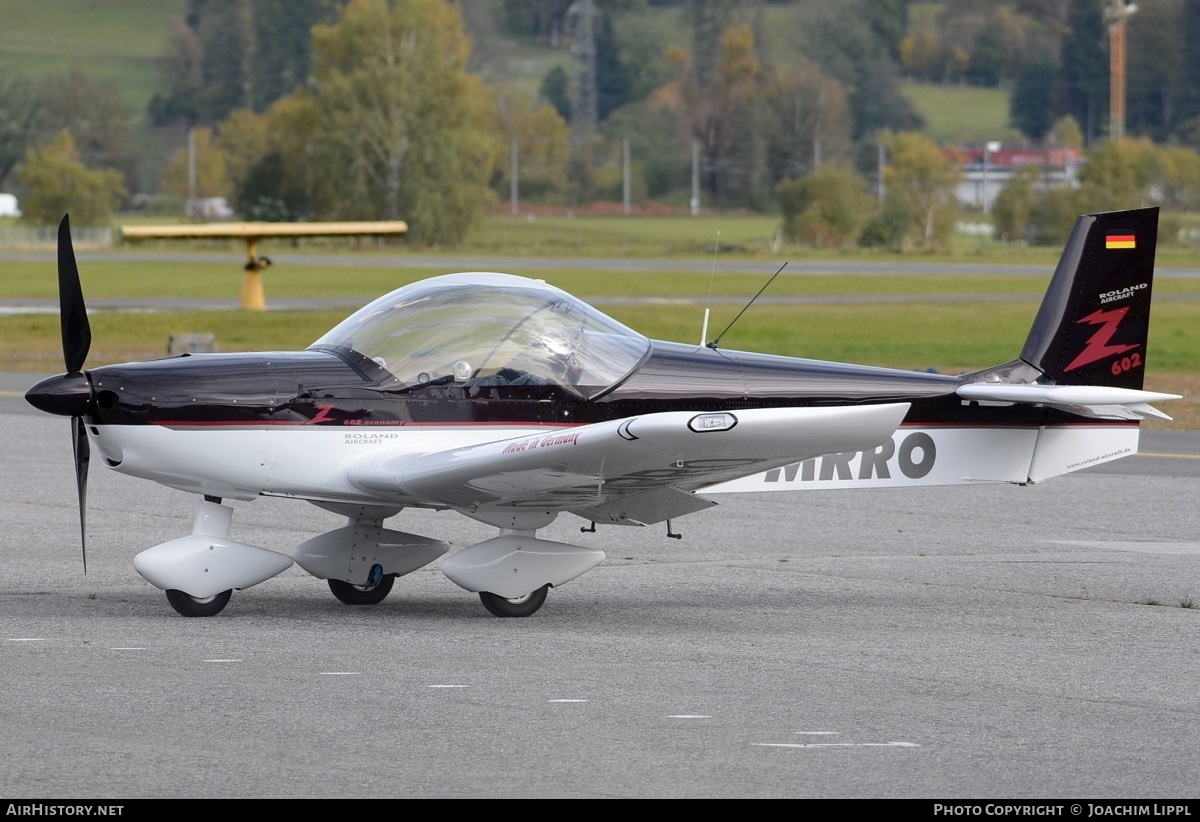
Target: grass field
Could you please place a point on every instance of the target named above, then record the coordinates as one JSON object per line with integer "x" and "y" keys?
{"x": 116, "y": 41}
{"x": 963, "y": 115}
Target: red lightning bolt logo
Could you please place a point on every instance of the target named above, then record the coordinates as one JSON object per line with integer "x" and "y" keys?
{"x": 1097, "y": 346}
{"x": 323, "y": 416}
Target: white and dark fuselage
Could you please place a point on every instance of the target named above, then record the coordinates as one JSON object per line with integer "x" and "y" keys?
{"x": 292, "y": 423}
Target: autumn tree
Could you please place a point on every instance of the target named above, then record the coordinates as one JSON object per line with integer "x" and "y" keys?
{"x": 208, "y": 164}
{"x": 244, "y": 138}
{"x": 96, "y": 114}
{"x": 1118, "y": 175}
{"x": 1013, "y": 209}
{"x": 393, "y": 127}
{"x": 710, "y": 111}
{"x": 1179, "y": 178}
{"x": 1065, "y": 133}
{"x": 20, "y": 109}
{"x": 542, "y": 140}
{"x": 57, "y": 182}
{"x": 409, "y": 131}
{"x": 843, "y": 39}
{"x": 826, "y": 208}
{"x": 922, "y": 178}
{"x": 660, "y": 155}
{"x": 281, "y": 164}
{"x": 807, "y": 121}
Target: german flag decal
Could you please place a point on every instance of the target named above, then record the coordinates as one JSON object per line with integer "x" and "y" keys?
{"x": 1119, "y": 239}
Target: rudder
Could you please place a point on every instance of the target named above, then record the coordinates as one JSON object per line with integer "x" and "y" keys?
{"x": 1092, "y": 326}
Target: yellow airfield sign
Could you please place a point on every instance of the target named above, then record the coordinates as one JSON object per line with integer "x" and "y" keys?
{"x": 252, "y": 233}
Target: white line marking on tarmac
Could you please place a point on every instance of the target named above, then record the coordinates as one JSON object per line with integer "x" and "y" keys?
{"x": 448, "y": 686}
{"x": 690, "y": 716}
{"x": 221, "y": 660}
{"x": 836, "y": 744}
{"x": 1134, "y": 547}
{"x": 27, "y": 639}
{"x": 127, "y": 649}
{"x": 566, "y": 700}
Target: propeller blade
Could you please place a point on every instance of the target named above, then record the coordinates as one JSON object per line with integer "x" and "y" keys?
{"x": 83, "y": 458}
{"x": 76, "y": 331}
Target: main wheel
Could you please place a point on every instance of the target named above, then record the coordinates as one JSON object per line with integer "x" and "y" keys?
{"x": 362, "y": 594}
{"x": 516, "y": 606}
{"x": 190, "y": 606}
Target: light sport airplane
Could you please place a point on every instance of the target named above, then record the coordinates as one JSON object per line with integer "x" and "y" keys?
{"x": 512, "y": 402}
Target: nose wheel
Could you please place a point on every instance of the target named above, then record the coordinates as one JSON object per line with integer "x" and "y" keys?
{"x": 521, "y": 606}
{"x": 190, "y": 606}
{"x": 369, "y": 594}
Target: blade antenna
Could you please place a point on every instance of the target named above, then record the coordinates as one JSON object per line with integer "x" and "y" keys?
{"x": 711, "y": 278}
{"x": 717, "y": 338}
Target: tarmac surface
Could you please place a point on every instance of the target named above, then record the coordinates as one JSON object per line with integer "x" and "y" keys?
{"x": 995, "y": 642}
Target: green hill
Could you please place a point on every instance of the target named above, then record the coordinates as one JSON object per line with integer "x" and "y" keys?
{"x": 121, "y": 41}
{"x": 117, "y": 40}
{"x": 963, "y": 115}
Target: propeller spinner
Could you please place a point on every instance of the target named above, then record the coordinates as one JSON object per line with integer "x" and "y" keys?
{"x": 70, "y": 394}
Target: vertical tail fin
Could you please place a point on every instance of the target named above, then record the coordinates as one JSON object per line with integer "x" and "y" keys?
{"x": 1092, "y": 326}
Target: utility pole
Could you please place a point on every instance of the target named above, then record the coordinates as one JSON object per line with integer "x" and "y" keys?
{"x": 695, "y": 178}
{"x": 625, "y": 176}
{"x": 514, "y": 186}
{"x": 881, "y": 163}
{"x": 1115, "y": 14}
{"x": 989, "y": 148}
{"x": 583, "y": 14}
{"x": 191, "y": 195}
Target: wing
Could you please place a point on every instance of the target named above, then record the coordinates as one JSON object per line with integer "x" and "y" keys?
{"x": 638, "y": 470}
{"x": 1101, "y": 402}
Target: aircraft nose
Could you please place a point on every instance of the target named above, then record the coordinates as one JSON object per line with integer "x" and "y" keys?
{"x": 67, "y": 395}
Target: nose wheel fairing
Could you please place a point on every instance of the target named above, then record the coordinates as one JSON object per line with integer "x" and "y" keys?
{"x": 516, "y": 564}
{"x": 206, "y": 562}
{"x": 350, "y": 553}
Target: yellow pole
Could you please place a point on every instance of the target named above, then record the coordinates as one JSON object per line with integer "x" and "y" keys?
{"x": 252, "y": 287}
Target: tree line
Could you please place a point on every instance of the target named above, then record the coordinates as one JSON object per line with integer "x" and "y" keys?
{"x": 373, "y": 109}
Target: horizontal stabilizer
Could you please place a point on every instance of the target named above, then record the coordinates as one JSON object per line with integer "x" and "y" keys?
{"x": 1102, "y": 402}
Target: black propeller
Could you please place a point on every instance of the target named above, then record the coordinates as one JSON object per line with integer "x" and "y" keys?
{"x": 77, "y": 340}
{"x": 76, "y": 331}
{"x": 70, "y": 394}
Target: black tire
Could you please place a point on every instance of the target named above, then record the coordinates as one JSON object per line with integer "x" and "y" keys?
{"x": 190, "y": 606}
{"x": 527, "y": 605}
{"x": 361, "y": 594}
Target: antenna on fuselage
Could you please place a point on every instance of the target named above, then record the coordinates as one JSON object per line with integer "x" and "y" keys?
{"x": 711, "y": 277}
{"x": 717, "y": 338}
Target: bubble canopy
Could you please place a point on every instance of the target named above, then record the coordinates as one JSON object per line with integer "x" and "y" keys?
{"x": 490, "y": 330}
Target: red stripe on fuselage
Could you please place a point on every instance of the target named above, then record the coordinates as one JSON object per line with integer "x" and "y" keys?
{"x": 344, "y": 425}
